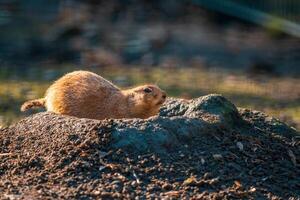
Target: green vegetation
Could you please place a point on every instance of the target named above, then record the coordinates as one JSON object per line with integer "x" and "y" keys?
{"x": 277, "y": 97}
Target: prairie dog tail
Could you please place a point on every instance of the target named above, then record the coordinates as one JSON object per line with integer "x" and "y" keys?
{"x": 33, "y": 104}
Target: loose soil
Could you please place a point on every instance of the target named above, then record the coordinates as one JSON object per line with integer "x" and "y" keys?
{"x": 60, "y": 157}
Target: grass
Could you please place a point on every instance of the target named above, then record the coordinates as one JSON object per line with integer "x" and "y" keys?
{"x": 277, "y": 96}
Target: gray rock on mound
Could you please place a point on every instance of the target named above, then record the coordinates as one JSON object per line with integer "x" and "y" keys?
{"x": 179, "y": 120}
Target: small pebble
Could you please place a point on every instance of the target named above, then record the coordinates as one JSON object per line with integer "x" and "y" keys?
{"x": 167, "y": 186}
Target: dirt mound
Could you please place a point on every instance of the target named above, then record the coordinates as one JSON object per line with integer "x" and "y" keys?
{"x": 203, "y": 148}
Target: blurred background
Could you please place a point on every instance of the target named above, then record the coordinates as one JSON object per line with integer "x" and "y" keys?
{"x": 247, "y": 50}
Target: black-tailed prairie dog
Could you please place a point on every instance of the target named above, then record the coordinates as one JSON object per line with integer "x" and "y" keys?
{"x": 85, "y": 94}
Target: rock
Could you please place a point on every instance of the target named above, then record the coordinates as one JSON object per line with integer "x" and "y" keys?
{"x": 167, "y": 186}
{"x": 214, "y": 109}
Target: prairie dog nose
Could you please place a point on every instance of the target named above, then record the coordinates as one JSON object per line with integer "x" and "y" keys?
{"x": 164, "y": 95}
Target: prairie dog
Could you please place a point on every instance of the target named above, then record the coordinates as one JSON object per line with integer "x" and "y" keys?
{"x": 85, "y": 94}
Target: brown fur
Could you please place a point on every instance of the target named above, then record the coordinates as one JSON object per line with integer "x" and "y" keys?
{"x": 87, "y": 95}
{"x": 33, "y": 104}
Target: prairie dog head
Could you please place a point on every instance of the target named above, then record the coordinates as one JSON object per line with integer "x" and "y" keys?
{"x": 150, "y": 95}
{"x": 147, "y": 99}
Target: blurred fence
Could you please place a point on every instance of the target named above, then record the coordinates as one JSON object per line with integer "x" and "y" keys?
{"x": 282, "y": 15}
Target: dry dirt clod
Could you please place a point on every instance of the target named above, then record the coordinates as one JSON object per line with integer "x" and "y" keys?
{"x": 240, "y": 146}
{"x": 190, "y": 181}
{"x": 167, "y": 186}
{"x": 218, "y": 157}
{"x": 292, "y": 156}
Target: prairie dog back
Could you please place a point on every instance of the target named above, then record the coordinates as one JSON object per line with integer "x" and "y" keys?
{"x": 78, "y": 93}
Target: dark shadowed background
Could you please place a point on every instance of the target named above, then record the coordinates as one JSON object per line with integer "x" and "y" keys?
{"x": 249, "y": 51}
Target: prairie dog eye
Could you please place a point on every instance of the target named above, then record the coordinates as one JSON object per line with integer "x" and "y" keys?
{"x": 147, "y": 90}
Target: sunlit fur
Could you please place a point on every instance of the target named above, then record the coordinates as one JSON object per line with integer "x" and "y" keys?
{"x": 144, "y": 104}
{"x": 87, "y": 95}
